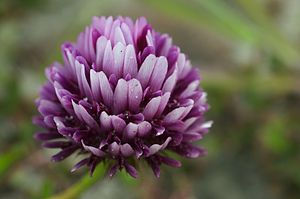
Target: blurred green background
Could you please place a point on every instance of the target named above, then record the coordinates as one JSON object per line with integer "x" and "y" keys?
{"x": 249, "y": 55}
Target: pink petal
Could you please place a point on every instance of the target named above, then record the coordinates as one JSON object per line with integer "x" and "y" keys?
{"x": 108, "y": 59}
{"x": 130, "y": 131}
{"x": 177, "y": 114}
{"x": 170, "y": 162}
{"x": 130, "y": 62}
{"x": 93, "y": 150}
{"x": 159, "y": 73}
{"x": 170, "y": 82}
{"x": 114, "y": 149}
{"x": 163, "y": 103}
{"x": 151, "y": 108}
{"x": 78, "y": 67}
{"x": 144, "y": 128}
{"x": 108, "y": 26}
{"x": 191, "y": 136}
{"x": 119, "y": 37}
{"x": 105, "y": 121}
{"x": 116, "y": 23}
{"x": 121, "y": 96}
{"x": 190, "y": 89}
{"x": 131, "y": 170}
{"x": 126, "y": 150}
{"x": 47, "y": 107}
{"x": 118, "y": 123}
{"x": 146, "y": 70}
{"x": 135, "y": 95}
{"x": 157, "y": 147}
{"x": 106, "y": 90}
{"x": 118, "y": 53}
{"x": 180, "y": 62}
{"x": 95, "y": 85}
{"x": 127, "y": 33}
{"x": 85, "y": 84}
{"x": 100, "y": 48}
{"x": 84, "y": 116}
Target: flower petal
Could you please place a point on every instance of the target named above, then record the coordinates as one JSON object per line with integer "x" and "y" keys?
{"x": 119, "y": 37}
{"x": 170, "y": 82}
{"x": 105, "y": 120}
{"x": 43, "y": 136}
{"x": 189, "y": 151}
{"x": 131, "y": 170}
{"x": 100, "y": 48}
{"x": 118, "y": 123}
{"x": 118, "y": 53}
{"x": 188, "y": 122}
{"x": 57, "y": 144}
{"x": 86, "y": 87}
{"x": 106, "y": 91}
{"x": 180, "y": 63}
{"x": 84, "y": 116}
{"x": 108, "y": 59}
{"x": 126, "y": 150}
{"x": 80, "y": 164}
{"x": 114, "y": 149}
{"x": 191, "y": 136}
{"x": 177, "y": 114}
{"x": 158, "y": 147}
{"x": 170, "y": 162}
{"x": 151, "y": 108}
{"x": 108, "y": 26}
{"x": 155, "y": 167}
{"x": 127, "y": 33}
{"x": 159, "y": 73}
{"x": 63, "y": 154}
{"x": 47, "y": 107}
{"x": 130, "y": 131}
{"x": 130, "y": 62}
{"x": 144, "y": 128}
{"x": 95, "y": 85}
{"x": 121, "y": 96}
{"x": 93, "y": 150}
{"x": 190, "y": 89}
{"x": 135, "y": 95}
{"x": 113, "y": 170}
{"x": 163, "y": 103}
{"x": 146, "y": 70}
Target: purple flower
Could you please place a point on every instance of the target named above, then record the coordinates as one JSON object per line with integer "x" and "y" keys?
{"x": 124, "y": 93}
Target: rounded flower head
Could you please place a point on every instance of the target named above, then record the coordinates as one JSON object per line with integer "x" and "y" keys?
{"x": 124, "y": 93}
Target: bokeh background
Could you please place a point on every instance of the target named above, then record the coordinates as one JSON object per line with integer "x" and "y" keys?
{"x": 249, "y": 55}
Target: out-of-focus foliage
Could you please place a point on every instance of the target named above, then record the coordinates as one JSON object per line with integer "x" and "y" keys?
{"x": 249, "y": 56}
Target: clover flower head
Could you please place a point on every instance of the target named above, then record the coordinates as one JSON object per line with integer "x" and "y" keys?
{"x": 124, "y": 93}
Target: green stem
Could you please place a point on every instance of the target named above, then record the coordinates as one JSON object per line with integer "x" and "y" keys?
{"x": 84, "y": 184}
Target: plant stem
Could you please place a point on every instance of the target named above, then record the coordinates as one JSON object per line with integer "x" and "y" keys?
{"x": 84, "y": 184}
